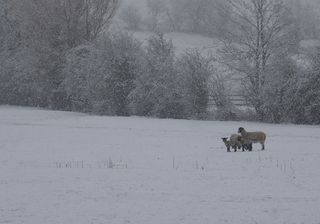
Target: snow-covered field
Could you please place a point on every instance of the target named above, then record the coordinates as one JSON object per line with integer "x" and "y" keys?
{"x": 60, "y": 167}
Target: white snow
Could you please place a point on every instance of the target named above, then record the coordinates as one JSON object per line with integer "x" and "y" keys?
{"x": 61, "y": 167}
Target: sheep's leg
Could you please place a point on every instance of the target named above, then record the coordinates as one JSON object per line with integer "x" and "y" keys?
{"x": 228, "y": 149}
{"x": 234, "y": 148}
{"x": 262, "y": 146}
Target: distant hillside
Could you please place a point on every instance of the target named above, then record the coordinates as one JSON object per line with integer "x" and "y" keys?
{"x": 184, "y": 41}
{"x": 140, "y": 4}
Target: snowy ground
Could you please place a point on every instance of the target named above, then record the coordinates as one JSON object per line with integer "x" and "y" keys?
{"x": 59, "y": 167}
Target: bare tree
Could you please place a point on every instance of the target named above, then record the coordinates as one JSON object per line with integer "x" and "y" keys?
{"x": 261, "y": 31}
{"x": 71, "y": 21}
{"x": 87, "y": 18}
{"x": 44, "y": 31}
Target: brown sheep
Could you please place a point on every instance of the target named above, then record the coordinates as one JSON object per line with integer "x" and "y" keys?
{"x": 253, "y": 137}
{"x": 246, "y": 145}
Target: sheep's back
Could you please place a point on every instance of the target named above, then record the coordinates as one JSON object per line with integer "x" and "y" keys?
{"x": 234, "y": 139}
{"x": 255, "y": 136}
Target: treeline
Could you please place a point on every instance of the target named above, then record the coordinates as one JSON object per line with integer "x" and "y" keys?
{"x": 58, "y": 54}
{"x": 201, "y": 17}
{"x": 115, "y": 75}
{"x": 210, "y": 17}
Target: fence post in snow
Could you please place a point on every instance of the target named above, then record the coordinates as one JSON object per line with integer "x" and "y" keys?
{"x": 173, "y": 162}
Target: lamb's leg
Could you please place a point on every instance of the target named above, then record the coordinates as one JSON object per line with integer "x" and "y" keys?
{"x": 240, "y": 146}
{"x": 262, "y": 146}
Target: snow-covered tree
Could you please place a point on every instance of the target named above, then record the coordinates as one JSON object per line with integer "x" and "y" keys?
{"x": 18, "y": 79}
{"x": 281, "y": 90}
{"x": 158, "y": 89}
{"x": 308, "y": 100}
{"x": 195, "y": 70}
{"x": 261, "y": 31}
{"x": 99, "y": 77}
{"x": 50, "y": 28}
{"x": 124, "y": 57}
{"x": 83, "y": 77}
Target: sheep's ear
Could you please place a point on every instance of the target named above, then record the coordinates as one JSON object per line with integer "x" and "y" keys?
{"x": 240, "y": 129}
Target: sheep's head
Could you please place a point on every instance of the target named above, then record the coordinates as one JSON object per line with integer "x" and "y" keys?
{"x": 240, "y": 130}
{"x": 224, "y": 139}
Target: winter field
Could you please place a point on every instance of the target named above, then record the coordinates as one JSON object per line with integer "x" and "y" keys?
{"x": 61, "y": 167}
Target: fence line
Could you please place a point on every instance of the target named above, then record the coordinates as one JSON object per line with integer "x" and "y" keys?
{"x": 237, "y": 100}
